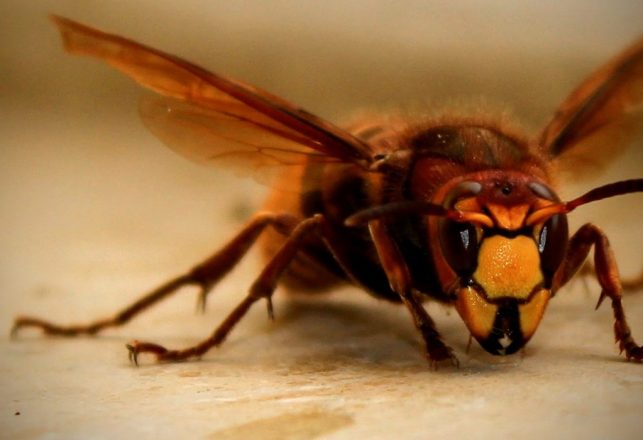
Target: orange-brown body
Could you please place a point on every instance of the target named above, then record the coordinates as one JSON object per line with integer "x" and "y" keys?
{"x": 342, "y": 189}
{"x": 458, "y": 209}
{"x": 433, "y": 164}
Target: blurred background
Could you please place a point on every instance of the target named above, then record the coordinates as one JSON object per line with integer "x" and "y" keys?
{"x": 78, "y": 167}
{"x": 93, "y": 209}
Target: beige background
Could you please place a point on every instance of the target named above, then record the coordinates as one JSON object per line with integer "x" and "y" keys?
{"x": 94, "y": 211}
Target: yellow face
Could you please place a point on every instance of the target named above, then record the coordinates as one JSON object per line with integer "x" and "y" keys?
{"x": 503, "y": 266}
{"x": 505, "y": 302}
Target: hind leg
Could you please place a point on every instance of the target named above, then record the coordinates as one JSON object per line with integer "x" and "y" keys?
{"x": 204, "y": 275}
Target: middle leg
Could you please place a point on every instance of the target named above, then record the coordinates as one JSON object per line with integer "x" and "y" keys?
{"x": 262, "y": 288}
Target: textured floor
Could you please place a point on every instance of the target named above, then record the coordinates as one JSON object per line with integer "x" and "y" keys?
{"x": 93, "y": 212}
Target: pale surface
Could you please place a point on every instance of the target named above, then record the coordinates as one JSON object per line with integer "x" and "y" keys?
{"x": 93, "y": 212}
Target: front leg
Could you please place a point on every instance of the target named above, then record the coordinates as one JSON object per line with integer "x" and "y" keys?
{"x": 400, "y": 281}
{"x": 608, "y": 277}
{"x": 629, "y": 285}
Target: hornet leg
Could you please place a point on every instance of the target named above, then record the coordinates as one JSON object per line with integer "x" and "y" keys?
{"x": 262, "y": 288}
{"x": 400, "y": 281}
{"x": 608, "y": 277}
{"x": 205, "y": 275}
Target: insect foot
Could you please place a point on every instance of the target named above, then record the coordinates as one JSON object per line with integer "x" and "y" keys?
{"x": 162, "y": 354}
{"x": 439, "y": 354}
{"x": 633, "y": 352}
{"x": 449, "y": 360}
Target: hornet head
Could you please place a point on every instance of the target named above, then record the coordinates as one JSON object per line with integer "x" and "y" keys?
{"x": 501, "y": 265}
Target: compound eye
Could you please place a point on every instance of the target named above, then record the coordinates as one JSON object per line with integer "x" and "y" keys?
{"x": 543, "y": 191}
{"x": 552, "y": 244}
{"x": 459, "y": 243}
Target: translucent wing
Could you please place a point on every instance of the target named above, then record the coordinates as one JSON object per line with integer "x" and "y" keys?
{"x": 209, "y": 118}
{"x": 598, "y": 119}
{"x": 224, "y": 139}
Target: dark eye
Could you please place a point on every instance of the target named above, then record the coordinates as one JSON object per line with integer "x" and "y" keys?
{"x": 552, "y": 244}
{"x": 459, "y": 243}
